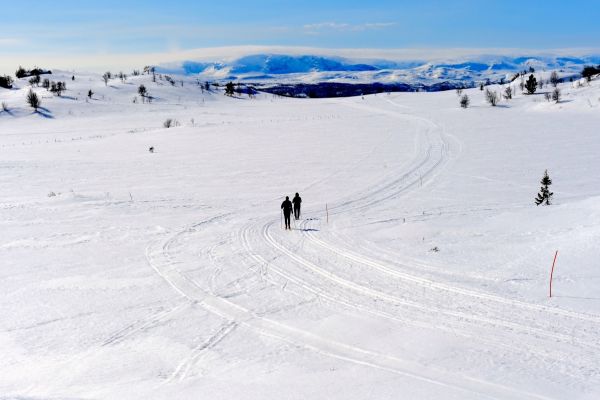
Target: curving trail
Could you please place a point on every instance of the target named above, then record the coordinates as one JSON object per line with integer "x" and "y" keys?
{"x": 270, "y": 272}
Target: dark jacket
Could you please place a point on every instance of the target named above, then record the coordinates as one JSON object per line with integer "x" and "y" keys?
{"x": 297, "y": 200}
{"x": 286, "y": 206}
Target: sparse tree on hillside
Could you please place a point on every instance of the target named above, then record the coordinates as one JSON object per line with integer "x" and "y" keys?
{"x": 459, "y": 91}
{"x": 492, "y": 97}
{"x": 90, "y": 93}
{"x": 106, "y": 78}
{"x": 46, "y": 83}
{"x": 465, "y": 101}
{"x": 481, "y": 87}
{"x": 589, "y": 71}
{"x": 541, "y": 83}
{"x": 35, "y": 80}
{"x": 554, "y": 79}
{"x": 522, "y": 83}
{"x": 556, "y": 95}
{"x": 21, "y": 72}
{"x": 531, "y": 84}
{"x": 143, "y": 92}
{"x": 6, "y": 82}
{"x": 508, "y": 93}
{"x": 545, "y": 195}
{"x": 33, "y": 100}
{"x": 229, "y": 89}
{"x": 547, "y": 96}
{"x": 60, "y": 87}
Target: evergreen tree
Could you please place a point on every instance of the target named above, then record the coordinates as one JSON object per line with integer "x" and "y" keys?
{"x": 229, "y": 89}
{"x": 545, "y": 195}
{"x": 531, "y": 84}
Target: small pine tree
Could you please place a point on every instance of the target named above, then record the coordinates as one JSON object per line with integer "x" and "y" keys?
{"x": 531, "y": 84}
{"x": 464, "y": 101}
{"x": 545, "y": 195}
{"x": 90, "y": 93}
{"x": 33, "y": 100}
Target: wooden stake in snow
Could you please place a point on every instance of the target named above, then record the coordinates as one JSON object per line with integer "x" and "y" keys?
{"x": 552, "y": 271}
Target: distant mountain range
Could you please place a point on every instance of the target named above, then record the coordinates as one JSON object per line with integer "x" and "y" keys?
{"x": 268, "y": 71}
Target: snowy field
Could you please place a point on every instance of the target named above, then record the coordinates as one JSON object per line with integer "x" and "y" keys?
{"x": 128, "y": 274}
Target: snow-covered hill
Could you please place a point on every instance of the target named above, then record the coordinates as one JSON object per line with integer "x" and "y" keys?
{"x": 419, "y": 268}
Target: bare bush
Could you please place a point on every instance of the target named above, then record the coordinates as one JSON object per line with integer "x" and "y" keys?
{"x": 465, "y": 101}
{"x": 492, "y": 97}
{"x": 547, "y": 96}
{"x": 4, "y": 106}
{"x": 554, "y": 79}
{"x": 170, "y": 123}
{"x": 556, "y": 95}
{"x": 33, "y": 100}
{"x": 459, "y": 91}
{"x": 508, "y": 94}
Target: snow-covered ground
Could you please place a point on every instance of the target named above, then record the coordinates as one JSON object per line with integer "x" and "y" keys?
{"x": 136, "y": 275}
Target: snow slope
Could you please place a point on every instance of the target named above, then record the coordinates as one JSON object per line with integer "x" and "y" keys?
{"x": 135, "y": 275}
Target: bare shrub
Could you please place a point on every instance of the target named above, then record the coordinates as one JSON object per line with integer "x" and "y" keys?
{"x": 33, "y": 100}
{"x": 465, "y": 101}
{"x": 492, "y": 97}
{"x": 508, "y": 93}
{"x": 547, "y": 96}
{"x": 170, "y": 123}
{"x": 554, "y": 79}
{"x": 4, "y": 106}
{"x": 556, "y": 95}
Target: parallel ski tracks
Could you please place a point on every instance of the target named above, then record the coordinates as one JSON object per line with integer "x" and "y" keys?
{"x": 342, "y": 293}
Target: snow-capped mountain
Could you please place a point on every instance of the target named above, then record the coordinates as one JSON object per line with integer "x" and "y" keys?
{"x": 418, "y": 74}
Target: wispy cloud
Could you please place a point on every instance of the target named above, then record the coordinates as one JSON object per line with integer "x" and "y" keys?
{"x": 11, "y": 42}
{"x": 322, "y": 27}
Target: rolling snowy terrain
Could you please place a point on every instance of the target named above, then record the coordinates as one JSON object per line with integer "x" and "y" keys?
{"x": 419, "y": 268}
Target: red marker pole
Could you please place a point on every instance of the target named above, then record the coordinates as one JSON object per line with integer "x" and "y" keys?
{"x": 552, "y": 272}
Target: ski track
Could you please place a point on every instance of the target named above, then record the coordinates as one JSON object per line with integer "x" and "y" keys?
{"x": 428, "y": 162}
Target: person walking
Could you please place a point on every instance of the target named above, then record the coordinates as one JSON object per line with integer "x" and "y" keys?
{"x": 296, "y": 202}
{"x": 286, "y": 207}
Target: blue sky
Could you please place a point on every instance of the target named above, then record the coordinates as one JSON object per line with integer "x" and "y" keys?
{"x": 108, "y": 29}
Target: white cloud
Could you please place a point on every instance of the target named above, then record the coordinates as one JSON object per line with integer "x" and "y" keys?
{"x": 344, "y": 27}
{"x": 11, "y": 42}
